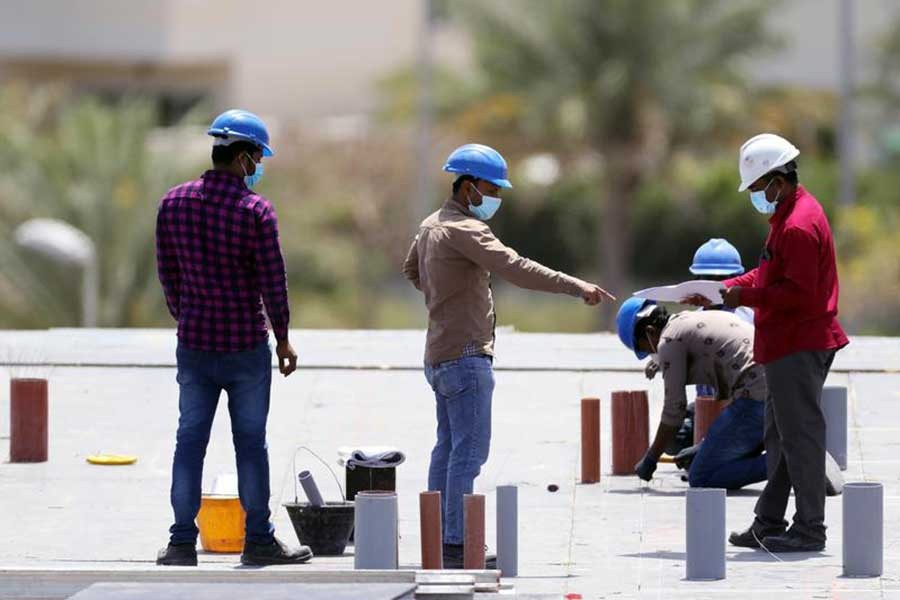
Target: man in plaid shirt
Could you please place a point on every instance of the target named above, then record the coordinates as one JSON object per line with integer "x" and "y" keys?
{"x": 220, "y": 264}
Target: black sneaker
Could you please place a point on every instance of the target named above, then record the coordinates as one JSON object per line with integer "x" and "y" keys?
{"x": 276, "y": 553}
{"x": 453, "y": 558}
{"x": 753, "y": 535}
{"x": 792, "y": 541}
{"x": 178, "y": 555}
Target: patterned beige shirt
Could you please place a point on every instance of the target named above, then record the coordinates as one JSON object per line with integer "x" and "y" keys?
{"x": 711, "y": 347}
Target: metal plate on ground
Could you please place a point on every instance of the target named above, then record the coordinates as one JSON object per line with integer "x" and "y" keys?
{"x": 241, "y": 591}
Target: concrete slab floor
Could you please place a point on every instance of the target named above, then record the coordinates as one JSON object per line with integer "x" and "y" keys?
{"x": 619, "y": 538}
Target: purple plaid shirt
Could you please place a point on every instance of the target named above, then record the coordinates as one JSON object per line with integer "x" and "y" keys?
{"x": 219, "y": 259}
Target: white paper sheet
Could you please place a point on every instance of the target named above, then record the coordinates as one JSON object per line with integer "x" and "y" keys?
{"x": 675, "y": 293}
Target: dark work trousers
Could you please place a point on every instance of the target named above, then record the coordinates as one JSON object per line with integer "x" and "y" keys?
{"x": 795, "y": 442}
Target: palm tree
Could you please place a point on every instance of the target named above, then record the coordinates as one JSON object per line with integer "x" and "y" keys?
{"x": 626, "y": 81}
{"x": 89, "y": 164}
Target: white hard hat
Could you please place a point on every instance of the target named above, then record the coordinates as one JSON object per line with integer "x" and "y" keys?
{"x": 761, "y": 154}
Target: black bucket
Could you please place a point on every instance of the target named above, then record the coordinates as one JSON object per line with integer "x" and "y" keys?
{"x": 325, "y": 529}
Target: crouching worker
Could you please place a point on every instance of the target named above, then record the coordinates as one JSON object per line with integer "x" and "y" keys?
{"x": 713, "y": 348}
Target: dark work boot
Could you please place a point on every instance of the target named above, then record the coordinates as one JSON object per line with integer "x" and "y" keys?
{"x": 753, "y": 535}
{"x": 276, "y": 553}
{"x": 792, "y": 541}
{"x": 453, "y": 558}
{"x": 178, "y": 555}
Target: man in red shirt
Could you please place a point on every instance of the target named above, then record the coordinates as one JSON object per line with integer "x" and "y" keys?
{"x": 794, "y": 294}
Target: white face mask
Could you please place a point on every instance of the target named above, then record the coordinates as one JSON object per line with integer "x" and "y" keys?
{"x": 488, "y": 206}
{"x": 761, "y": 203}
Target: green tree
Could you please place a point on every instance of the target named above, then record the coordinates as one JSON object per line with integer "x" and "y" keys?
{"x": 626, "y": 81}
{"x": 94, "y": 166}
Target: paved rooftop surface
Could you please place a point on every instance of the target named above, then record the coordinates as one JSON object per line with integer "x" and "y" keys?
{"x": 114, "y": 391}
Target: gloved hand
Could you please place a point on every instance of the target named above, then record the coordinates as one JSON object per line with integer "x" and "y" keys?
{"x": 645, "y": 467}
{"x": 684, "y": 458}
{"x": 651, "y": 369}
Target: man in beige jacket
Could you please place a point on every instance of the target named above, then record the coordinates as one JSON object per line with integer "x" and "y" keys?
{"x": 451, "y": 261}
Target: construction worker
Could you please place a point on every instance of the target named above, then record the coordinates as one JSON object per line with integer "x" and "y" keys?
{"x": 708, "y": 348}
{"x": 794, "y": 294}
{"x": 220, "y": 262}
{"x": 718, "y": 260}
{"x": 714, "y": 260}
{"x": 451, "y": 261}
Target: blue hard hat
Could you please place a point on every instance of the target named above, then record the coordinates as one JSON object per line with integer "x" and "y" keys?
{"x": 632, "y": 310}
{"x": 242, "y": 125}
{"x": 479, "y": 161}
{"x": 717, "y": 257}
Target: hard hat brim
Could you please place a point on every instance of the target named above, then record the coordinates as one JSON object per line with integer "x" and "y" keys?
{"x": 717, "y": 270}
{"x": 504, "y": 183}
{"x": 216, "y": 132}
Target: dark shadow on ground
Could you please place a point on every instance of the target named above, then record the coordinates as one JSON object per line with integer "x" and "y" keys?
{"x": 764, "y": 557}
{"x": 649, "y": 491}
{"x": 749, "y": 556}
{"x": 681, "y": 492}
{"x": 661, "y": 554}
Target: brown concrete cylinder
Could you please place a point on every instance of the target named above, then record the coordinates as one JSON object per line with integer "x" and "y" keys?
{"x": 473, "y": 542}
{"x": 630, "y": 430}
{"x": 430, "y": 530}
{"x": 706, "y": 411}
{"x": 28, "y": 413}
{"x": 590, "y": 440}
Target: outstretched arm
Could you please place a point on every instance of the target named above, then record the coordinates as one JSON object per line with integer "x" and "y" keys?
{"x": 483, "y": 248}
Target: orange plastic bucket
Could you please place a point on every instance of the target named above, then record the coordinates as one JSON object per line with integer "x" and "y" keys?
{"x": 221, "y": 523}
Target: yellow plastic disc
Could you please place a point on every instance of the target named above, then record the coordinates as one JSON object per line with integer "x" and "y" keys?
{"x": 665, "y": 458}
{"x": 112, "y": 459}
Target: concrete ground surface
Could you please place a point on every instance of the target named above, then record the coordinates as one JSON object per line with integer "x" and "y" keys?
{"x": 115, "y": 392}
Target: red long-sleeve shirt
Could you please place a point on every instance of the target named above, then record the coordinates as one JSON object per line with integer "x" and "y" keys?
{"x": 794, "y": 291}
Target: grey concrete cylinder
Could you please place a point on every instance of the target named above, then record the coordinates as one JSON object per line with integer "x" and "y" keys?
{"x": 310, "y": 488}
{"x": 834, "y": 405}
{"x": 705, "y": 524}
{"x": 863, "y": 529}
{"x": 375, "y": 530}
{"x": 508, "y": 530}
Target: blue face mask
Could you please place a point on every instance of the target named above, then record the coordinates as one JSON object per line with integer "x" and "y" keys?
{"x": 761, "y": 203}
{"x": 488, "y": 207}
{"x": 251, "y": 180}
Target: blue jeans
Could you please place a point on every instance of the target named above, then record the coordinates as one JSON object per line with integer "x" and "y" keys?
{"x": 730, "y": 455}
{"x": 706, "y": 390}
{"x": 462, "y": 390}
{"x": 246, "y": 377}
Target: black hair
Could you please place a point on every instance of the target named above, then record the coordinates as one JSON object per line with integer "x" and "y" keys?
{"x": 713, "y": 277}
{"x": 460, "y": 180}
{"x": 788, "y": 172}
{"x": 225, "y": 155}
{"x": 658, "y": 319}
